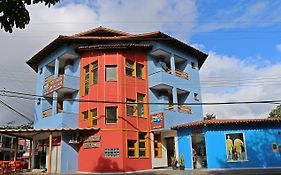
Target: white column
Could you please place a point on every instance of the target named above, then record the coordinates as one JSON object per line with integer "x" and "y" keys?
{"x": 172, "y": 63}
{"x": 175, "y": 97}
{"x": 57, "y": 64}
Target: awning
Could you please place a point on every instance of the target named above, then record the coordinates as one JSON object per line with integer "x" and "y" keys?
{"x": 30, "y": 133}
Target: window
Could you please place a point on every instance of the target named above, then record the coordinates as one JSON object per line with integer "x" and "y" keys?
{"x": 132, "y": 148}
{"x": 274, "y": 148}
{"x": 111, "y": 152}
{"x": 196, "y": 97}
{"x": 131, "y": 108}
{"x": 111, "y": 73}
{"x": 85, "y": 115}
{"x": 95, "y": 72}
{"x": 94, "y": 114}
{"x": 140, "y": 99}
{"x": 140, "y": 71}
{"x": 111, "y": 114}
{"x": 86, "y": 80}
{"x": 130, "y": 68}
{"x": 193, "y": 65}
{"x": 157, "y": 146}
{"x": 143, "y": 144}
{"x": 235, "y": 147}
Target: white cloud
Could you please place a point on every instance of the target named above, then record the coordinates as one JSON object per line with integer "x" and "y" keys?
{"x": 278, "y": 47}
{"x": 69, "y": 18}
{"x": 226, "y": 79}
{"x": 242, "y": 15}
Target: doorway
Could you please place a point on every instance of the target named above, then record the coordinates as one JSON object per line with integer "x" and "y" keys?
{"x": 199, "y": 158}
{"x": 170, "y": 142}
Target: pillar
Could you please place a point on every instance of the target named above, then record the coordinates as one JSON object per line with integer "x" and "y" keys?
{"x": 30, "y": 154}
{"x": 57, "y": 65}
{"x": 55, "y": 103}
{"x": 50, "y": 153}
{"x": 16, "y": 149}
{"x": 175, "y": 97}
{"x": 172, "y": 63}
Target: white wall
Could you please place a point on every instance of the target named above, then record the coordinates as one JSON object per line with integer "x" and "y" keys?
{"x": 163, "y": 162}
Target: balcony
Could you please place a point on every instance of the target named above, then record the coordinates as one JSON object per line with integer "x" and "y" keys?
{"x": 64, "y": 83}
{"x": 182, "y": 74}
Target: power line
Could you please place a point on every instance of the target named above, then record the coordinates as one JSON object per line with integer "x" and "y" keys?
{"x": 13, "y": 109}
{"x": 37, "y": 97}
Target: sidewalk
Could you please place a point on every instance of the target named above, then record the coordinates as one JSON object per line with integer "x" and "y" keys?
{"x": 196, "y": 172}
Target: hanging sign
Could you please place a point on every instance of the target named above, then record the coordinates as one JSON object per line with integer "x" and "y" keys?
{"x": 157, "y": 120}
{"x": 92, "y": 142}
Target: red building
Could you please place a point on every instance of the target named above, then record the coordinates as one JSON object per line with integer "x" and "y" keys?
{"x": 122, "y": 143}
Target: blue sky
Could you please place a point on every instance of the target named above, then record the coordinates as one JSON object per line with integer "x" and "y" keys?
{"x": 242, "y": 39}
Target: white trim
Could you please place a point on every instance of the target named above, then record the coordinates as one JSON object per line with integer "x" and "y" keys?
{"x": 128, "y": 172}
{"x": 245, "y": 148}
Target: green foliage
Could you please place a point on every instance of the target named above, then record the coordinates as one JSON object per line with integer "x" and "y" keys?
{"x": 174, "y": 161}
{"x": 181, "y": 161}
{"x": 14, "y": 12}
{"x": 210, "y": 117}
{"x": 11, "y": 125}
{"x": 275, "y": 113}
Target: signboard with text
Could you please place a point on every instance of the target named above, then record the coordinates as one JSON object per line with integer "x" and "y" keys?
{"x": 157, "y": 120}
{"x": 53, "y": 85}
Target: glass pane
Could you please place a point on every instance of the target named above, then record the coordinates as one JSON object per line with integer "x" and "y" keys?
{"x": 111, "y": 73}
{"x": 141, "y": 144}
{"x": 95, "y": 65}
{"x": 85, "y": 115}
{"x": 139, "y": 71}
{"x": 129, "y": 71}
{"x": 142, "y": 136}
{"x": 94, "y": 112}
{"x": 95, "y": 76}
{"x": 86, "y": 69}
{"x": 130, "y": 110}
{"x": 95, "y": 122}
{"x": 131, "y": 153}
{"x": 111, "y": 115}
{"x": 142, "y": 153}
{"x": 140, "y": 110}
{"x": 130, "y": 64}
{"x": 131, "y": 143}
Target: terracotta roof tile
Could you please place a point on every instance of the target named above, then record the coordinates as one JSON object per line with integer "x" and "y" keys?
{"x": 226, "y": 121}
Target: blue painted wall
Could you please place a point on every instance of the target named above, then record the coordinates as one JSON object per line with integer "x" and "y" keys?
{"x": 69, "y": 116}
{"x": 157, "y": 76}
{"x": 258, "y": 141}
{"x": 69, "y": 155}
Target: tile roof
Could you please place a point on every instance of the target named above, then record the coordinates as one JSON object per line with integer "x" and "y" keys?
{"x": 102, "y": 35}
{"x": 29, "y": 133}
{"x": 227, "y": 121}
{"x": 113, "y": 46}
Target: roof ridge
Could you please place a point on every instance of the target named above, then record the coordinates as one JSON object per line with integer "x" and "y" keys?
{"x": 99, "y": 29}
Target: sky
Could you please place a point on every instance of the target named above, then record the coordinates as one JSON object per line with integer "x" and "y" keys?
{"x": 242, "y": 39}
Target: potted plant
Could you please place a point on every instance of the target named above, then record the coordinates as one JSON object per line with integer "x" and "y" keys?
{"x": 174, "y": 162}
{"x": 181, "y": 162}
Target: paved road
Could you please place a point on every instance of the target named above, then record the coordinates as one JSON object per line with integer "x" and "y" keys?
{"x": 200, "y": 172}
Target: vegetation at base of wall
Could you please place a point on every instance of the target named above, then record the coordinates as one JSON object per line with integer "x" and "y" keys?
{"x": 275, "y": 113}
{"x": 209, "y": 117}
{"x": 14, "y": 12}
{"x": 11, "y": 125}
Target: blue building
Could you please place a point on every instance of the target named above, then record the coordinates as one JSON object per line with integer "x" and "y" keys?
{"x": 237, "y": 143}
{"x": 173, "y": 78}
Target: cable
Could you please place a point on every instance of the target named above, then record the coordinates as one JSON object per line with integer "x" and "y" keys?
{"x": 19, "y": 113}
{"x": 36, "y": 97}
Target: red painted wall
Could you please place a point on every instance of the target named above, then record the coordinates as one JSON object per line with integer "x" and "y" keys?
{"x": 114, "y": 135}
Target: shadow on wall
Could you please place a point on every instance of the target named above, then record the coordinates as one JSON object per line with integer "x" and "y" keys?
{"x": 258, "y": 150}
{"x": 107, "y": 165}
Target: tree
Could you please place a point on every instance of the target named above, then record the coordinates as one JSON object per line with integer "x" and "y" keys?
{"x": 275, "y": 113}
{"x": 210, "y": 117}
{"x": 11, "y": 125}
{"x": 14, "y": 12}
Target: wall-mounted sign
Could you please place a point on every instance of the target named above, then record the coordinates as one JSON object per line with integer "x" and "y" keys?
{"x": 91, "y": 145}
{"x": 53, "y": 85}
{"x": 157, "y": 120}
{"x": 92, "y": 142}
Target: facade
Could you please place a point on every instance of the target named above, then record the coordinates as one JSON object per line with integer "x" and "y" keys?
{"x": 108, "y": 81}
{"x": 220, "y": 144}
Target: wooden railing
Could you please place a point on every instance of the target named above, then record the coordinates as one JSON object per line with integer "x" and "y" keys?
{"x": 181, "y": 74}
{"x": 171, "y": 107}
{"x": 184, "y": 109}
{"x": 47, "y": 112}
{"x": 49, "y": 78}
